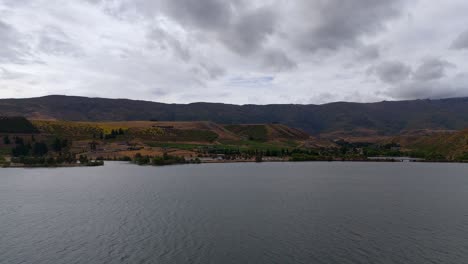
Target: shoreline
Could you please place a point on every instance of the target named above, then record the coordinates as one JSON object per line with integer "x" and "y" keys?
{"x": 14, "y": 166}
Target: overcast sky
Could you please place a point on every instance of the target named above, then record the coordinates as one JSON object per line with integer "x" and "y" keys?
{"x": 235, "y": 51}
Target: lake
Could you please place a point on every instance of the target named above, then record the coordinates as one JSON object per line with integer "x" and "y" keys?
{"x": 236, "y": 213}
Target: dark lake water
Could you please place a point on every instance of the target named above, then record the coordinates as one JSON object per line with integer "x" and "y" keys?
{"x": 236, "y": 213}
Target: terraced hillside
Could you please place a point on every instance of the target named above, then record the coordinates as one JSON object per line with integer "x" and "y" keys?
{"x": 170, "y": 131}
{"x": 144, "y": 130}
{"x": 451, "y": 146}
{"x": 267, "y": 132}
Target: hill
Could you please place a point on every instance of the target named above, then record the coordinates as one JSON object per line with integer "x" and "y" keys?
{"x": 268, "y": 132}
{"x": 16, "y": 125}
{"x": 123, "y": 139}
{"x": 128, "y": 139}
{"x": 155, "y": 131}
{"x": 382, "y": 118}
{"x": 449, "y": 146}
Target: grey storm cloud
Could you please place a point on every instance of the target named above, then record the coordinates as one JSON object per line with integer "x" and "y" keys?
{"x": 461, "y": 42}
{"x": 428, "y": 80}
{"x": 392, "y": 71}
{"x": 243, "y": 28}
{"x": 369, "y": 52}
{"x": 240, "y": 29}
{"x": 432, "y": 89}
{"x": 208, "y": 14}
{"x": 277, "y": 60}
{"x": 342, "y": 22}
{"x": 249, "y": 31}
{"x": 164, "y": 40}
{"x": 213, "y": 71}
{"x": 431, "y": 69}
{"x": 12, "y": 49}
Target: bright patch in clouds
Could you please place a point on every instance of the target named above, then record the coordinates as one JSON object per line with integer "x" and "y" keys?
{"x": 236, "y": 51}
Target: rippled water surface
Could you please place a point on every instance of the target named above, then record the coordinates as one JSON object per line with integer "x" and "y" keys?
{"x": 236, "y": 213}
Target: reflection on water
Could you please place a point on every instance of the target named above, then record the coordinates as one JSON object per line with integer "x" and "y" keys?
{"x": 236, "y": 213}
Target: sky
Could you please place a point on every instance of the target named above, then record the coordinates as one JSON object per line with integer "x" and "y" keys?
{"x": 235, "y": 51}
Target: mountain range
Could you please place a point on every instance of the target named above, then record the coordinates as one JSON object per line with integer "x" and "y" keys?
{"x": 381, "y": 118}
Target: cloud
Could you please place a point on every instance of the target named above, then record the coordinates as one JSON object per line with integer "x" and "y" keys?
{"x": 428, "y": 80}
{"x": 238, "y": 26}
{"x": 213, "y": 71}
{"x": 9, "y": 75}
{"x": 251, "y": 81}
{"x": 206, "y": 14}
{"x": 456, "y": 86}
{"x": 368, "y": 52}
{"x": 249, "y": 31}
{"x": 461, "y": 42}
{"x": 278, "y": 61}
{"x": 276, "y": 51}
{"x": 165, "y": 41}
{"x": 431, "y": 69}
{"x": 341, "y": 23}
{"x": 392, "y": 71}
{"x": 12, "y": 48}
{"x": 54, "y": 41}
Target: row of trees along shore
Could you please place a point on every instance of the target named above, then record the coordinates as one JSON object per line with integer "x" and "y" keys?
{"x": 43, "y": 154}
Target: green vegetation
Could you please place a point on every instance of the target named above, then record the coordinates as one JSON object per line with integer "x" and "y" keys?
{"x": 83, "y": 159}
{"x": 250, "y": 132}
{"x": 183, "y": 146}
{"x": 163, "y": 160}
{"x": 110, "y": 131}
{"x": 49, "y": 161}
{"x": 192, "y": 135}
{"x": 60, "y": 143}
{"x": 16, "y": 125}
{"x": 147, "y": 133}
{"x": 3, "y": 162}
{"x": 113, "y": 134}
{"x": 304, "y": 157}
{"x": 72, "y": 130}
{"x": 463, "y": 157}
{"x": 441, "y": 147}
{"x": 290, "y": 150}
{"x": 6, "y": 140}
{"x": 28, "y": 151}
